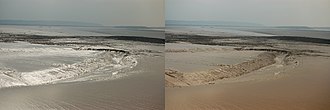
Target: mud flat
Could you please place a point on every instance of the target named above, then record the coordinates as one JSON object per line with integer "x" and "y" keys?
{"x": 35, "y": 64}
{"x": 134, "y": 92}
{"x": 187, "y": 57}
{"x": 39, "y": 72}
{"x": 304, "y": 87}
{"x": 285, "y": 72}
{"x": 177, "y": 78}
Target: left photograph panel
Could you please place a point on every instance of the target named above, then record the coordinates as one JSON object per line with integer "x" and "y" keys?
{"x": 82, "y": 54}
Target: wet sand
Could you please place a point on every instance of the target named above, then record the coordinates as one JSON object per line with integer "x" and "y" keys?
{"x": 201, "y": 65}
{"x": 142, "y": 91}
{"x": 306, "y": 88}
{"x": 193, "y": 57}
{"x": 94, "y": 73}
{"x": 288, "y": 73}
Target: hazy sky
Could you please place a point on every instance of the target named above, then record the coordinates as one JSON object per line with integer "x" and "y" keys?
{"x": 105, "y": 12}
{"x": 267, "y": 12}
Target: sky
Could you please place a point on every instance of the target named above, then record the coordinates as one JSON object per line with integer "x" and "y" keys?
{"x": 314, "y": 13}
{"x": 105, "y": 12}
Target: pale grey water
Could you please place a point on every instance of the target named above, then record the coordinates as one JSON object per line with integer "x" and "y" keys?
{"x": 312, "y": 32}
{"x": 142, "y": 32}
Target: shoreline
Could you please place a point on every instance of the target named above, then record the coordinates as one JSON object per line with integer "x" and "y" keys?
{"x": 267, "y": 59}
{"x": 181, "y": 79}
{"x": 295, "y": 77}
{"x": 108, "y": 94}
{"x": 300, "y": 87}
{"x": 114, "y": 72}
{"x": 107, "y": 58}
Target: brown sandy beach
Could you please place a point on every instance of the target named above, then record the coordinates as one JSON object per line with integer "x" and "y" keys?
{"x": 305, "y": 89}
{"x": 284, "y": 73}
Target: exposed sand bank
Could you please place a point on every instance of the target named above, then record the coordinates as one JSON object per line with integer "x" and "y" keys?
{"x": 274, "y": 49}
{"x": 288, "y": 73}
{"x": 306, "y": 88}
{"x": 185, "y": 57}
{"x": 176, "y": 78}
{"x": 24, "y": 64}
{"x": 94, "y": 72}
{"x": 142, "y": 91}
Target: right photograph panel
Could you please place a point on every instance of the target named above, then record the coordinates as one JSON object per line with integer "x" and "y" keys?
{"x": 247, "y": 55}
